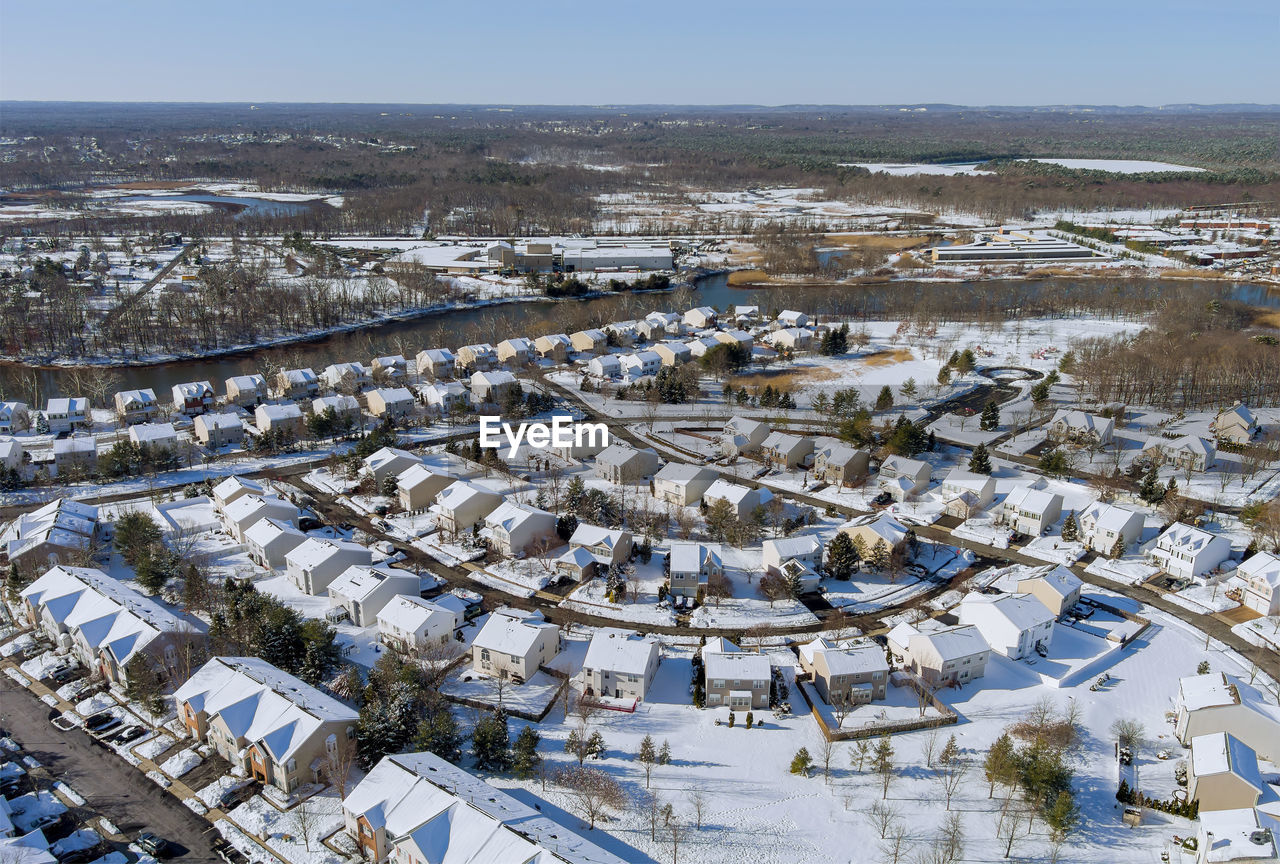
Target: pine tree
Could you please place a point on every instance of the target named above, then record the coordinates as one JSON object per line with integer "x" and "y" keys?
{"x": 1151, "y": 491}
{"x": 950, "y": 752}
{"x": 842, "y": 556}
{"x": 438, "y": 733}
{"x": 1000, "y": 765}
{"x": 648, "y": 757}
{"x": 525, "y": 759}
{"x": 664, "y": 753}
{"x": 908, "y": 389}
{"x": 42, "y": 424}
{"x": 885, "y": 400}
{"x": 490, "y": 744}
{"x": 1062, "y": 815}
{"x": 882, "y": 762}
{"x": 990, "y": 417}
{"x": 801, "y": 762}
{"x": 1117, "y": 548}
{"x": 595, "y": 745}
{"x": 1070, "y": 528}
{"x": 980, "y": 461}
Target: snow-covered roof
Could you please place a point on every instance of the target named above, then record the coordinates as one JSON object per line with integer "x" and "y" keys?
{"x": 62, "y": 522}
{"x": 246, "y": 382}
{"x": 1262, "y": 565}
{"x": 1031, "y": 499}
{"x": 688, "y": 557}
{"x": 512, "y": 631}
{"x": 262, "y": 704}
{"x": 734, "y": 493}
{"x": 152, "y": 433}
{"x": 883, "y": 525}
{"x": 952, "y": 643}
{"x": 456, "y": 817}
{"x": 854, "y": 659}
{"x": 416, "y": 475}
{"x": 218, "y": 421}
{"x": 1109, "y": 517}
{"x": 510, "y": 515}
{"x": 275, "y": 413}
{"x": 744, "y": 425}
{"x": 783, "y": 442}
{"x": 838, "y": 455}
{"x": 1236, "y": 835}
{"x": 437, "y": 355}
{"x": 1222, "y": 753}
{"x": 264, "y": 531}
{"x": 1083, "y": 421}
{"x": 900, "y": 466}
{"x": 231, "y": 485}
{"x": 246, "y": 507}
{"x": 130, "y": 399}
{"x": 577, "y": 556}
{"x": 618, "y": 455}
{"x": 341, "y": 403}
{"x": 1023, "y": 612}
{"x": 193, "y": 389}
{"x": 359, "y": 581}
{"x": 409, "y": 613}
{"x": 314, "y": 551}
{"x": 620, "y": 651}
{"x": 75, "y": 444}
{"x": 1188, "y": 538}
{"x": 497, "y": 378}
{"x": 388, "y": 456}
{"x": 1059, "y": 578}
{"x": 968, "y": 481}
{"x": 682, "y": 473}
{"x": 458, "y": 493}
{"x": 794, "y": 547}
{"x": 594, "y": 535}
{"x": 737, "y": 666}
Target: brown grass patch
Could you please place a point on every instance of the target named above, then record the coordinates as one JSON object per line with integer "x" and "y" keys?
{"x": 878, "y": 241}
{"x": 888, "y": 358}
{"x": 1054, "y": 272}
{"x": 748, "y": 277}
{"x": 1195, "y": 274}
{"x": 1267, "y": 318}
{"x": 143, "y": 185}
{"x": 787, "y": 379}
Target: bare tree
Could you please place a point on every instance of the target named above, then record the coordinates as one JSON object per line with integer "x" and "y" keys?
{"x": 883, "y": 816}
{"x": 594, "y": 792}
{"x": 675, "y": 833}
{"x": 698, "y": 802}
{"x": 950, "y": 778}
{"x": 826, "y": 749}
{"x": 651, "y": 803}
{"x": 930, "y": 748}
{"x": 307, "y": 820}
{"x": 895, "y": 845}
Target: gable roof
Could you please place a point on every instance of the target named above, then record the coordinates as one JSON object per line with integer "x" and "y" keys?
{"x": 620, "y": 651}
{"x": 512, "y": 631}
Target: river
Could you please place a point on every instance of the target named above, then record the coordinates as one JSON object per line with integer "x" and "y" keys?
{"x": 243, "y": 206}
{"x": 532, "y": 318}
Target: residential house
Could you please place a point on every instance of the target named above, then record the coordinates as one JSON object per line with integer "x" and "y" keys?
{"x": 791, "y": 318}
{"x": 1031, "y": 511}
{"x": 192, "y": 398}
{"x": 965, "y": 492}
{"x": 1054, "y": 586}
{"x": 103, "y": 622}
{"x": 462, "y": 505}
{"x": 416, "y": 808}
{"x": 1186, "y": 552}
{"x": 903, "y": 478}
{"x": 409, "y": 623}
{"x": 700, "y": 345}
{"x": 364, "y": 590}
{"x": 347, "y": 377}
{"x": 736, "y": 679}
{"x": 519, "y": 529}
{"x": 445, "y": 397}
{"x": 605, "y": 366}
{"x": 515, "y": 352}
{"x": 806, "y": 548}
{"x": 577, "y": 564}
{"x": 846, "y": 675}
{"x": 841, "y": 465}
{"x": 624, "y": 334}
{"x": 218, "y": 430}
{"x": 296, "y": 384}
{"x": 154, "y": 436}
{"x": 437, "y": 363}
{"x": 276, "y": 728}
{"x": 64, "y": 415}
{"x": 608, "y": 546}
{"x": 392, "y": 369}
{"x": 62, "y": 530}
{"x": 391, "y": 403}
{"x": 1261, "y": 575}
{"x": 788, "y": 451}
{"x": 737, "y": 338}
{"x": 284, "y": 419}
{"x": 491, "y": 388}
{"x": 682, "y": 484}
{"x": 700, "y": 318}
{"x": 1188, "y": 452}
{"x": 388, "y": 462}
{"x": 1103, "y": 526}
{"x": 742, "y": 436}
{"x": 742, "y": 500}
{"x": 246, "y": 390}
{"x": 1244, "y": 835}
{"x": 247, "y": 510}
{"x": 11, "y": 454}
{"x": 619, "y": 665}
{"x": 228, "y": 490}
{"x": 672, "y": 353}
{"x": 317, "y": 561}
{"x": 690, "y": 565}
{"x": 942, "y": 656}
{"x": 1235, "y": 425}
{"x": 1222, "y": 773}
{"x": 136, "y": 406}
{"x": 554, "y": 347}
{"x": 418, "y": 485}
{"x": 481, "y": 357}
{"x": 514, "y": 643}
{"x": 640, "y": 364}
{"x": 14, "y": 417}
{"x": 625, "y": 465}
{"x": 662, "y": 322}
{"x": 1072, "y": 426}
{"x": 78, "y": 453}
{"x": 794, "y": 339}
{"x": 270, "y": 540}
{"x": 1217, "y": 702}
{"x": 746, "y": 315}
{"x": 1015, "y": 625}
{"x": 875, "y": 529}
{"x": 589, "y": 341}
{"x": 346, "y": 408}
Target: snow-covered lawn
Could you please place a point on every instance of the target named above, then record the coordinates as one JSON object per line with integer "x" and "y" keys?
{"x": 531, "y": 697}
{"x": 180, "y": 763}
{"x": 296, "y": 834}
{"x": 153, "y": 748}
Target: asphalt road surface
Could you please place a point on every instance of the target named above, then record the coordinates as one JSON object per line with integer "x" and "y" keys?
{"x": 110, "y": 786}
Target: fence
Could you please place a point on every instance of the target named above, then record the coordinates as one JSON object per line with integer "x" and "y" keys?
{"x": 876, "y": 729}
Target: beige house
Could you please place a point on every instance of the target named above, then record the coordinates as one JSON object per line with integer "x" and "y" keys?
{"x": 903, "y": 478}
{"x": 625, "y": 465}
{"x": 391, "y": 368}
{"x": 841, "y": 465}
{"x": 418, "y": 485}
{"x": 1054, "y": 586}
{"x": 345, "y": 407}
{"x": 436, "y": 363}
{"x": 1072, "y": 426}
{"x": 79, "y": 453}
{"x": 789, "y": 451}
{"x": 1216, "y": 702}
{"x": 1222, "y": 773}
{"x": 136, "y": 406}
{"x": 1236, "y": 425}
{"x": 296, "y": 384}
{"x": 619, "y": 665}
{"x": 742, "y": 500}
{"x": 461, "y": 505}
{"x": 514, "y": 643}
{"x": 218, "y": 430}
{"x": 478, "y": 358}
{"x": 945, "y": 656}
{"x": 279, "y": 729}
{"x": 492, "y": 387}
{"x": 875, "y": 529}
{"x": 387, "y": 462}
{"x": 246, "y": 390}
{"x": 1031, "y": 511}
{"x": 735, "y": 679}
{"x": 348, "y": 377}
{"x": 846, "y": 675}
{"x": 701, "y": 317}
{"x": 965, "y": 493}
{"x": 555, "y": 347}
{"x": 517, "y": 529}
{"x": 394, "y": 403}
{"x": 682, "y": 484}
{"x": 589, "y": 341}
{"x": 515, "y": 352}
{"x": 1103, "y": 525}
{"x": 285, "y": 419}
{"x": 608, "y": 546}
{"x": 672, "y": 353}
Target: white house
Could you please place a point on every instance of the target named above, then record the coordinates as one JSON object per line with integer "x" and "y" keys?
{"x": 247, "y": 510}
{"x": 743, "y": 435}
{"x": 701, "y": 317}
{"x": 14, "y": 417}
{"x": 943, "y": 655}
{"x": 806, "y": 548}
{"x": 410, "y": 623}
{"x": 235, "y": 487}
{"x": 514, "y": 643}
{"x": 791, "y": 318}
{"x": 218, "y": 430}
{"x": 79, "y": 452}
{"x": 436, "y": 363}
{"x": 625, "y": 465}
{"x": 194, "y": 397}
{"x": 640, "y": 364}
{"x": 317, "y": 561}
{"x": 1261, "y": 575}
{"x": 1014, "y": 625}
{"x": 492, "y": 387}
{"x": 691, "y": 565}
{"x": 270, "y": 540}
{"x": 608, "y": 546}
{"x": 246, "y": 390}
{"x": 619, "y": 665}
{"x": 742, "y": 500}
{"x": 902, "y": 477}
{"x": 1031, "y": 511}
{"x": 965, "y": 492}
{"x": 461, "y": 505}
{"x": 389, "y": 462}
{"x": 1103, "y": 525}
{"x": 795, "y": 339}
{"x": 11, "y": 454}
{"x": 285, "y": 419}
{"x": 136, "y": 406}
{"x": 1072, "y": 426}
{"x": 348, "y": 377}
{"x": 345, "y": 407}
{"x": 445, "y": 397}
{"x": 364, "y": 590}
{"x": 682, "y": 484}
{"x": 1186, "y": 552}
{"x": 60, "y": 530}
{"x": 394, "y": 403}
{"x": 65, "y": 414}
{"x": 517, "y": 529}
{"x": 605, "y": 366}
{"x": 1188, "y": 452}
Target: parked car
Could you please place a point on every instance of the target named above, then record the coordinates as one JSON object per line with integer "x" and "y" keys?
{"x": 228, "y": 853}
{"x": 106, "y": 727}
{"x": 47, "y": 821}
{"x": 62, "y": 676}
{"x": 152, "y": 844}
{"x": 79, "y": 856}
{"x": 94, "y": 720}
{"x": 916, "y": 570}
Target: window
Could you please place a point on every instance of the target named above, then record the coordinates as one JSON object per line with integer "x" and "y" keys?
{"x": 718, "y": 683}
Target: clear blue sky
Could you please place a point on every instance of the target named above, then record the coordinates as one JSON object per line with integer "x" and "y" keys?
{"x": 1123, "y": 52}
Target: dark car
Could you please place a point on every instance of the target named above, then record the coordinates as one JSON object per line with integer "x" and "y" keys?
{"x": 232, "y": 798}
{"x": 79, "y": 856}
{"x": 103, "y": 728}
{"x": 228, "y": 853}
{"x": 131, "y": 734}
{"x": 308, "y": 523}
{"x": 152, "y": 844}
{"x": 62, "y": 676}
{"x": 94, "y": 720}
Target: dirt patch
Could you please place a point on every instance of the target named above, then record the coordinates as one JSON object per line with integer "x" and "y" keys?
{"x": 1267, "y": 318}
{"x": 787, "y": 379}
{"x": 144, "y": 185}
{"x": 748, "y": 277}
{"x": 888, "y": 358}
{"x": 1195, "y": 274}
{"x": 879, "y": 241}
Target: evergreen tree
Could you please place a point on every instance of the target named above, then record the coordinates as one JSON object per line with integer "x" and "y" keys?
{"x": 1117, "y": 548}
{"x": 490, "y": 744}
{"x": 1151, "y": 491}
{"x": 882, "y": 763}
{"x": 525, "y": 759}
{"x": 980, "y": 461}
{"x": 647, "y": 755}
{"x": 1070, "y": 528}
{"x": 990, "y": 417}
{"x": 944, "y": 376}
{"x": 41, "y": 424}
{"x": 595, "y": 745}
{"x": 842, "y": 557}
{"x": 908, "y": 389}
{"x": 885, "y": 400}
{"x": 801, "y": 762}
{"x": 1062, "y": 815}
{"x": 1000, "y": 766}
{"x": 664, "y": 753}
